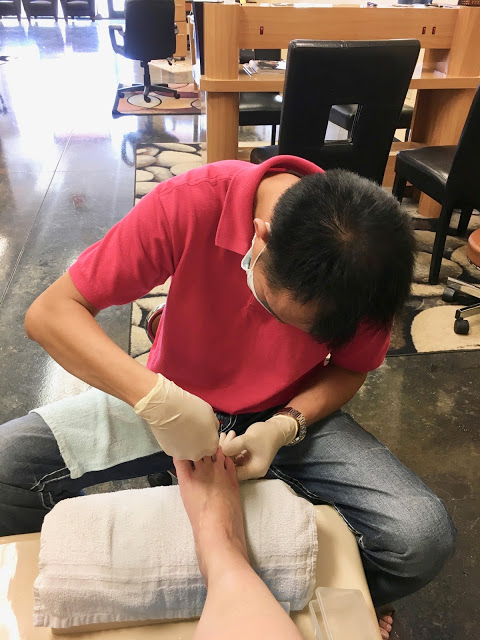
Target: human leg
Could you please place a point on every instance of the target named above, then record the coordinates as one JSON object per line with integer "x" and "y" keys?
{"x": 34, "y": 476}
{"x": 239, "y": 605}
{"x": 403, "y": 530}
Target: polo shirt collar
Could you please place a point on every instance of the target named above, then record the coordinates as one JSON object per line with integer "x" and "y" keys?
{"x": 235, "y": 227}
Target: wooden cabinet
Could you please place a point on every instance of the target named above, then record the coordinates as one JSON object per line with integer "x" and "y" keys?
{"x": 181, "y": 21}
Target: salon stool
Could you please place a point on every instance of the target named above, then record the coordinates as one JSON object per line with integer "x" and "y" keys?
{"x": 461, "y": 325}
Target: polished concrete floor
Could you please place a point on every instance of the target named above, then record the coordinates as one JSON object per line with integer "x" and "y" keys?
{"x": 66, "y": 176}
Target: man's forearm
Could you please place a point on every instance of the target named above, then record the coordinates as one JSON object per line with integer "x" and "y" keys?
{"x": 332, "y": 388}
{"x": 71, "y": 335}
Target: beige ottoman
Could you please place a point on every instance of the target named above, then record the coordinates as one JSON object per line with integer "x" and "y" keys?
{"x": 338, "y": 565}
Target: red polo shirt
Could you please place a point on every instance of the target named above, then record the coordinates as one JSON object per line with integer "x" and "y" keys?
{"x": 215, "y": 340}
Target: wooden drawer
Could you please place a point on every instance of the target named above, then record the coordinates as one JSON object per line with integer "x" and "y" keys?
{"x": 180, "y": 12}
{"x": 182, "y": 29}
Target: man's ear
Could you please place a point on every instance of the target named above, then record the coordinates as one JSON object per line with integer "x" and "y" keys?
{"x": 261, "y": 229}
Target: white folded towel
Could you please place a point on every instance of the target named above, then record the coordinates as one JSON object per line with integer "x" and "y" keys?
{"x": 130, "y": 555}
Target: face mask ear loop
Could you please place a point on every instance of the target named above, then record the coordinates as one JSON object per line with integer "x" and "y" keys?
{"x": 267, "y": 224}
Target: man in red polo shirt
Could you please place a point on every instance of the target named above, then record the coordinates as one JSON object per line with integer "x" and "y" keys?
{"x": 274, "y": 267}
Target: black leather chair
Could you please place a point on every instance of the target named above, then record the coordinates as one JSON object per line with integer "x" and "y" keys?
{"x": 149, "y": 34}
{"x": 343, "y": 115}
{"x": 260, "y": 108}
{"x": 448, "y": 174}
{"x": 375, "y": 75}
{"x": 77, "y": 8}
{"x": 41, "y": 8}
{"x": 11, "y": 8}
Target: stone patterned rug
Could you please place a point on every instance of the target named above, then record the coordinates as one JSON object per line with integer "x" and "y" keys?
{"x": 134, "y": 105}
{"x": 426, "y": 324}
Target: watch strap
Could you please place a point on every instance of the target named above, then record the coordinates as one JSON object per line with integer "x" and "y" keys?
{"x": 301, "y": 422}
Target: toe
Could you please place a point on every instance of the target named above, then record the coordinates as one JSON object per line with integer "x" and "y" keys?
{"x": 231, "y": 471}
{"x": 386, "y": 618}
{"x": 220, "y": 458}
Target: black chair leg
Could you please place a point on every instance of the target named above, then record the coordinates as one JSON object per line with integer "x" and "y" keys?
{"x": 399, "y": 185}
{"x": 273, "y": 139}
{"x": 439, "y": 244}
{"x": 136, "y": 87}
{"x": 159, "y": 88}
{"x": 146, "y": 80}
{"x": 464, "y": 220}
{"x": 165, "y": 90}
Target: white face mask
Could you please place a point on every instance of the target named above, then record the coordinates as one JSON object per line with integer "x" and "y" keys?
{"x": 248, "y": 267}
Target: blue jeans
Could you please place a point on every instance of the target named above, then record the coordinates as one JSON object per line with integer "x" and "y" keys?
{"x": 403, "y": 530}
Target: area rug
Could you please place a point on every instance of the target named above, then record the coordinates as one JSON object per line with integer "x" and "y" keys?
{"x": 424, "y": 326}
{"x": 132, "y": 104}
{"x": 426, "y": 323}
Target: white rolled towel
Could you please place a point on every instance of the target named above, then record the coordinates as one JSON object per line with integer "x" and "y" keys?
{"x": 130, "y": 555}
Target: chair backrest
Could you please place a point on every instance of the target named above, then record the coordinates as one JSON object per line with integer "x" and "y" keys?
{"x": 463, "y": 184}
{"x": 374, "y": 75}
{"x": 149, "y": 29}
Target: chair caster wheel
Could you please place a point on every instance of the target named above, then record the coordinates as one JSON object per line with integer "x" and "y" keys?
{"x": 448, "y": 295}
{"x": 176, "y": 95}
{"x": 121, "y": 95}
{"x": 147, "y": 99}
{"x": 461, "y": 327}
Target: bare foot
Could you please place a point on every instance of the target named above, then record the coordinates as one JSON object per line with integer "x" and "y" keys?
{"x": 210, "y": 494}
{"x": 385, "y": 622}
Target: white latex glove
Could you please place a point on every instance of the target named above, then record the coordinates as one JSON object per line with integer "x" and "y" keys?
{"x": 256, "y": 449}
{"x": 184, "y": 425}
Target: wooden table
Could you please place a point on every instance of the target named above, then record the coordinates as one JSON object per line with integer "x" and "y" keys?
{"x": 445, "y": 82}
{"x": 338, "y": 565}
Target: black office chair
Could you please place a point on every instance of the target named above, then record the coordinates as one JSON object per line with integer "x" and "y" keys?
{"x": 40, "y": 8}
{"x": 77, "y": 8}
{"x": 448, "y": 174}
{"x": 150, "y": 31}
{"x": 343, "y": 115}
{"x": 375, "y": 75}
{"x": 11, "y": 8}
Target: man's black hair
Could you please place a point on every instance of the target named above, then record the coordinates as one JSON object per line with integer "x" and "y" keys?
{"x": 342, "y": 242}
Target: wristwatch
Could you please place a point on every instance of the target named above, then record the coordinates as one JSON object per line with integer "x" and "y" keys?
{"x": 301, "y": 422}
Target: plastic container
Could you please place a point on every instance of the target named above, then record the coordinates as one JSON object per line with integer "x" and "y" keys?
{"x": 338, "y": 614}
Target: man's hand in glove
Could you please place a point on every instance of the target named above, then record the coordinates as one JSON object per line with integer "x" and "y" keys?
{"x": 184, "y": 425}
{"x": 255, "y": 450}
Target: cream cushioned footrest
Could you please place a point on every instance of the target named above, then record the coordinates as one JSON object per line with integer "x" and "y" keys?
{"x": 338, "y": 565}
{"x": 130, "y": 555}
